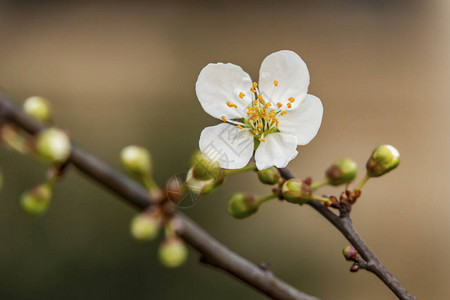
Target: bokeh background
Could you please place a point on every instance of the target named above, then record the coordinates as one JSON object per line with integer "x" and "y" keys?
{"x": 123, "y": 72}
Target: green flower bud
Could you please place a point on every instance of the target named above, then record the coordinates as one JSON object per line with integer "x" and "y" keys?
{"x": 53, "y": 146}
{"x": 269, "y": 176}
{"x": 296, "y": 191}
{"x": 36, "y": 201}
{"x": 136, "y": 161}
{"x": 383, "y": 159}
{"x": 38, "y": 108}
{"x": 172, "y": 252}
{"x": 203, "y": 167}
{"x": 145, "y": 226}
{"x": 341, "y": 172}
{"x": 202, "y": 187}
{"x": 349, "y": 253}
{"x": 242, "y": 205}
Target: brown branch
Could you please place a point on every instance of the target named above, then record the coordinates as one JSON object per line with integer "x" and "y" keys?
{"x": 345, "y": 226}
{"x": 212, "y": 251}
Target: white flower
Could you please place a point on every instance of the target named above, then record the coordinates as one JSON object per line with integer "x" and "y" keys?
{"x": 270, "y": 118}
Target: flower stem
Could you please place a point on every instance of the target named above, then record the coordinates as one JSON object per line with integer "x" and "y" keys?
{"x": 362, "y": 183}
{"x": 149, "y": 183}
{"x": 318, "y": 198}
{"x": 237, "y": 171}
{"x": 266, "y": 198}
{"x": 319, "y": 184}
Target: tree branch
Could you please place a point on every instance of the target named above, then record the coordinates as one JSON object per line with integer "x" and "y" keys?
{"x": 345, "y": 226}
{"x": 212, "y": 251}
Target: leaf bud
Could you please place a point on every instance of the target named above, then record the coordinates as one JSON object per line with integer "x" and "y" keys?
{"x": 341, "y": 172}
{"x": 242, "y": 205}
{"x": 350, "y": 253}
{"x": 383, "y": 159}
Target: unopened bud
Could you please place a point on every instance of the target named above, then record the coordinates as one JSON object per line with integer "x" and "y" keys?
{"x": 53, "y": 146}
{"x": 349, "y": 253}
{"x": 145, "y": 226}
{"x": 383, "y": 159}
{"x": 269, "y": 176}
{"x": 172, "y": 252}
{"x": 204, "y": 167}
{"x": 175, "y": 189}
{"x": 136, "y": 161}
{"x": 36, "y": 200}
{"x": 341, "y": 172}
{"x": 38, "y": 108}
{"x": 202, "y": 187}
{"x": 296, "y": 191}
{"x": 242, "y": 205}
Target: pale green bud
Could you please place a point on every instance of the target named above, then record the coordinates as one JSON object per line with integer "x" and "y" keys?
{"x": 296, "y": 191}
{"x": 145, "y": 226}
{"x": 53, "y": 146}
{"x": 342, "y": 171}
{"x": 383, "y": 159}
{"x": 172, "y": 252}
{"x": 36, "y": 200}
{"x": 136, "y": 161}
{"x": 242, "y": 205}
{"x": 38, "y": 108}
{"x": 269, "y": 176}
{"x": 202, "y": 187}
{"x": 204, "y": 167}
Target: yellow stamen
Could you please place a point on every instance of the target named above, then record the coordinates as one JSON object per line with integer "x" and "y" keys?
{"x": 241, "y": 95}
{"x": 289, "y": 105}
{"x": 231, "y": 105}
{"x": 261, "y": 100}
{"x": 262, "y": 140}
{"x": 255, "y": 131}
{"x": 255, "y": 103}
{"x": 283, "y": 113}
{"x": 279, "y": 104}
{"x": 252, "y": 90}
{"x": 275, "y": 83}
{"x": 239, "y": 126}
{"x": 255, "y": 84}
{"x": 260, "y": 125}
{"x": 292, "y": 99}
{"x": 224, "y": 119}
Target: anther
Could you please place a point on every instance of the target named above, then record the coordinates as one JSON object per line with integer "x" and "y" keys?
{"x": 289, "y": 105}
{"x": 283, "y": 113}
{"x": 241, "y": 95}
{"x": 239, "y": 126}
{"x": 292, "y": 99}
{"x": 275, "y": 83}
{"x": 262, "y": 140}
{"x": 255, "y": 84}
{"x": 279, "y": 104}
{"x": 224, "y": 119}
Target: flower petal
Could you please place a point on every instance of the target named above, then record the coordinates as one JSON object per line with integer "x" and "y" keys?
{"x": 231, "y": 146}
{"x": 291, "y": 74}
{"x": 220, "y": 83}
{"x": 277, "y": 150}
{"x": 304, "y": 121}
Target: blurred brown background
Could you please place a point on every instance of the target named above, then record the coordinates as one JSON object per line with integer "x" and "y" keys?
{"x": 124, "y": 72}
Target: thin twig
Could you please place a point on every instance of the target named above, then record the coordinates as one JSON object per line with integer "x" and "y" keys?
{"x": 345, "y": 226}
{"x": 212, "y": 251}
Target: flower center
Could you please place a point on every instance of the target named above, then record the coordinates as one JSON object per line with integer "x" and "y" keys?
{"x": 262, "y": 118}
